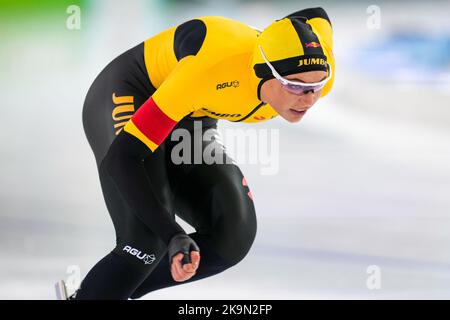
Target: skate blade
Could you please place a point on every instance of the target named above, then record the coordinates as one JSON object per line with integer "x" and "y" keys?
{"x": 61, "y": 291}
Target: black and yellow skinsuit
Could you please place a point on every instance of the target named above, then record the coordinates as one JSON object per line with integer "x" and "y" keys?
{"x": 204, "y": 70}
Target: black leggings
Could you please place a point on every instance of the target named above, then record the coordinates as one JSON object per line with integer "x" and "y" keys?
{"x": 213, "y": 198}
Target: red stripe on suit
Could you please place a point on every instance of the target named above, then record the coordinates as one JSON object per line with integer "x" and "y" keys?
{"x": 153, "y": 122}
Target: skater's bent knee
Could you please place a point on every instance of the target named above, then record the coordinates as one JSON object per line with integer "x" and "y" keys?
{"x": 234, "y": 243}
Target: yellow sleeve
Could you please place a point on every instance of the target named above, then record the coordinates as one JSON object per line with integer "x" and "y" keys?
{"x": 171, "y": 102}
{"x": 177, "y": 94}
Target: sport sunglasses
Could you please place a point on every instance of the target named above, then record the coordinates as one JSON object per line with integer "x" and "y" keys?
{"x": 295, "y": 87}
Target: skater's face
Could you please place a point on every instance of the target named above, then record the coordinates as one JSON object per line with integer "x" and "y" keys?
{"x": 291, "y": 106}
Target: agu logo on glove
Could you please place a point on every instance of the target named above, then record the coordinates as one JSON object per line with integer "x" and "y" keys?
{"x": 146, "y": 258}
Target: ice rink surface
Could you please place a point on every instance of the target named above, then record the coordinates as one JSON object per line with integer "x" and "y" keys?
{"x": 363, "y": 180}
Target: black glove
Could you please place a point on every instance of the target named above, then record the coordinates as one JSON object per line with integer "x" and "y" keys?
{"x": 182, "y": 243}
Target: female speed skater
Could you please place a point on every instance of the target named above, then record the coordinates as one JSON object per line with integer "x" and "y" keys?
{"x": 202, "y": 70}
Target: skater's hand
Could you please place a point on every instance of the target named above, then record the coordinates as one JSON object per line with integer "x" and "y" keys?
{"x": 182, "y": 273}
{"x": 184, "y": 257}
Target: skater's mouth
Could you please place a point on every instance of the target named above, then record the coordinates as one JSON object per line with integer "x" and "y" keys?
{"x": 298, "y": 112}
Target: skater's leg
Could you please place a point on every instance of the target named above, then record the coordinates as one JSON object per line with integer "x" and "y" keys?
{"x": 216, "y": 201}
{"x": 111, "y": 100}
{"x": 137, "y": 253}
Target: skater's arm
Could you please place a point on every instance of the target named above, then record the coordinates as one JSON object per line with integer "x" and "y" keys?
{"x": 124, "y": 163}
{"x": 174, "y": 99}
{"x": 143, "y": 134}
